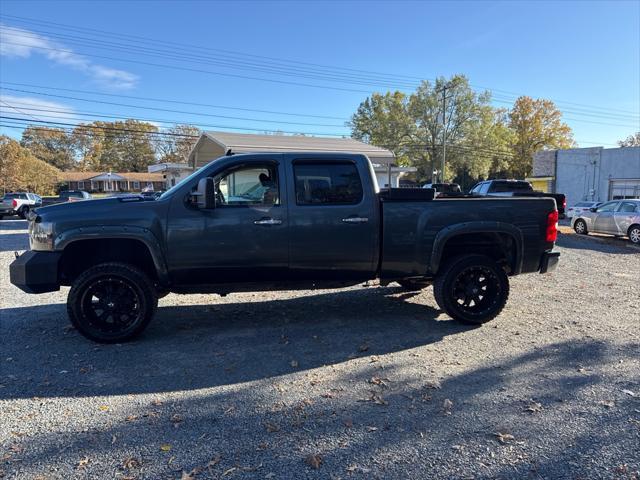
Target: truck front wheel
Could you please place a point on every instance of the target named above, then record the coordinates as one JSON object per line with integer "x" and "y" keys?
{"x": 472, "y": 289}
{"x": 111, "y": 302}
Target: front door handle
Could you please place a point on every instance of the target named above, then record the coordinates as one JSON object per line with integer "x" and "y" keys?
{"x": 268, "y": 221}
{"x": 355, "y": 220}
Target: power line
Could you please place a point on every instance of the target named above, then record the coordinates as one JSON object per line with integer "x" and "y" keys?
{"x": 378, "y": 76}
{"x": 181, "y": 102}
{"x": 175, "y": 111}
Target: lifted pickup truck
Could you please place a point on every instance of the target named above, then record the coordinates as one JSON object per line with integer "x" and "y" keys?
{"x": 281, "y": 221}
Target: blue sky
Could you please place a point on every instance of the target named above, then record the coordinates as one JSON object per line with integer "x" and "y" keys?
{"x": 583, "y": 55}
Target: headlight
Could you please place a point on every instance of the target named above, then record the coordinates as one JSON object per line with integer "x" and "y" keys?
{"x": 40, "y": 235}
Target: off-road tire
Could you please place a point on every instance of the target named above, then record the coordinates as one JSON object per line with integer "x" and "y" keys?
{"x": 478, "y": 279}
{"x": 580, "y": 227}
{"x": 124, "y": 295}
{"x": 634, "y": 234}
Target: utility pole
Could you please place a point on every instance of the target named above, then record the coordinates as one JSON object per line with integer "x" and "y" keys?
{"x": 444, "y": 129}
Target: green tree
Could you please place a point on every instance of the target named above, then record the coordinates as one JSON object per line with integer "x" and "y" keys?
{"x": 125, "y": 146}
{"x": 177, "y": 144}
{"x": 412, "y": 126}
{"x": 51, "y": 145}
{"x": 631, "y": 141}
{"x": 21, "y": 170}
{"x": 384, "y": 120}
{"x": 537, "y": 125}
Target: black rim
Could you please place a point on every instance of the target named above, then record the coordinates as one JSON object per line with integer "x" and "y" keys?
{"x": 476, "y": 290}
{"x": 111, "y": 305}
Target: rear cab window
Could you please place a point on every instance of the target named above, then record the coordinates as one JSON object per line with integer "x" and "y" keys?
{"x": 327, "y": 183}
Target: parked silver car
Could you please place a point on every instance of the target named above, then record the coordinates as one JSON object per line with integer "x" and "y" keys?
{"x": 581, "y": 207}
{"x": 619, "y": 217}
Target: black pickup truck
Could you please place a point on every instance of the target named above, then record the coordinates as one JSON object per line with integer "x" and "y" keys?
{"x": 516, "y": 188}
{"x": 281, "y": 221}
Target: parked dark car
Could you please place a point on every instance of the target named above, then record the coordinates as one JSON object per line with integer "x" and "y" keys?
{"x": 516, "y": 188}
{"x": 444, "y": 189}
{"x": 277, "y": 222}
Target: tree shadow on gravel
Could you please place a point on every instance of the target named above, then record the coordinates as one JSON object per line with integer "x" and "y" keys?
{"x": 545, "y": 408}
{"x": 11, "y": 239}
{"x": 198, "y": 346}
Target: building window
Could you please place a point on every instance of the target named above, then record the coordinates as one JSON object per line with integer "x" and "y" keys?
{"x": 136, "y": 185}
{"x": 621, "y": 189}
{"x": 80, "y": 185}
{"x": 327, "y": 183}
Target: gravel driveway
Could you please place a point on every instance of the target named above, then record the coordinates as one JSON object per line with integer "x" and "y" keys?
{"x": 354, "y": 383}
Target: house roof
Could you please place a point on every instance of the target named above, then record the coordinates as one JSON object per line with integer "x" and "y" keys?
{"x": 246, "y": 143}
{"x": 131, "y": 176}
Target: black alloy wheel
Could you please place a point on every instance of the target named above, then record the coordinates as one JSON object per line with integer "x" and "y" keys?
{"x": 112, "y": 302}
{"x": 472, "y": 289}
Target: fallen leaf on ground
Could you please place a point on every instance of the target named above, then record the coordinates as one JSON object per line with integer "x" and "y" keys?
{"x": 504, "y": 437}
{"x": 189, "y": 475}
{"x": 231, "y": 470}
{"x": 82, "y": 463}
{"x": 176, "y": 419}
{"x": 294, "y": 363}
{"x": 313, "y": 461}
{"x": 165, "y": 447}
{"x": 214, "y": 461}
{"x": 271, "y": 427}
{"x": 607, "y": 403}
{"x": 447, "y": 405}
{"x": 377, "y": 399}
{"x": 371, "y": 429}
{"x": 103, "y": 408}
{"x": 629, "y": 392}
{"x": 534, "y": 407}
{"x": 131, "y": 462}
{"x": 379, "y": 381}
{"x": 131, "y": 418}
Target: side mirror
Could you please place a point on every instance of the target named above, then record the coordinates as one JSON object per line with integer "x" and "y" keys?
{"x": 594, "y": 209}
{"x": 204, "y": 197}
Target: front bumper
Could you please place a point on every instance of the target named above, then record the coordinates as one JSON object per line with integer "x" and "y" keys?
{"x": 549, "y": 261}
{"x": 35, "y": 272}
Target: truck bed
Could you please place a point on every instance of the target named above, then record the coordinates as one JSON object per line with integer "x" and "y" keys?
{"x": 410, "y": 229}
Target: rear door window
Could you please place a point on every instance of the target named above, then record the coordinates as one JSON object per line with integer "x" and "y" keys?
{"x": 327, "y": 183}
{"x": 627, "y": 207}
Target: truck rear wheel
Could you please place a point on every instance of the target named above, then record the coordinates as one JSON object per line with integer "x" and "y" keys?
{"x": 472, "y": 289}
{"x": 111, "y": 302}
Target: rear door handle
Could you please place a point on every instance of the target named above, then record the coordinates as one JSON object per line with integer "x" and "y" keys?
{"x": 355, "y": 220}
{"x": 268, "y": 221}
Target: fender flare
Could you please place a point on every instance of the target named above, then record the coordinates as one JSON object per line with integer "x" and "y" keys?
{"x": 140, "y": 234}
{"x": 447, "y": 233}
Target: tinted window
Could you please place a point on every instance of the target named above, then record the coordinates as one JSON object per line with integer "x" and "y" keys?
{"x": 627, "y": 207}
{"x": 607, "y": 207}
{"x": 583, "y": 204}
{"x": 511, "y": 187}
{"x": 484, "y": 188}
{"x": 248, "y": 185}
{"x": 327, "y": 184}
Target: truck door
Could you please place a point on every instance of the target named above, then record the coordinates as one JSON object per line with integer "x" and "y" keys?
{"x": 243, "y": 239}
{"x": 604, "y": 221}
{"x": 333, "y": 219}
